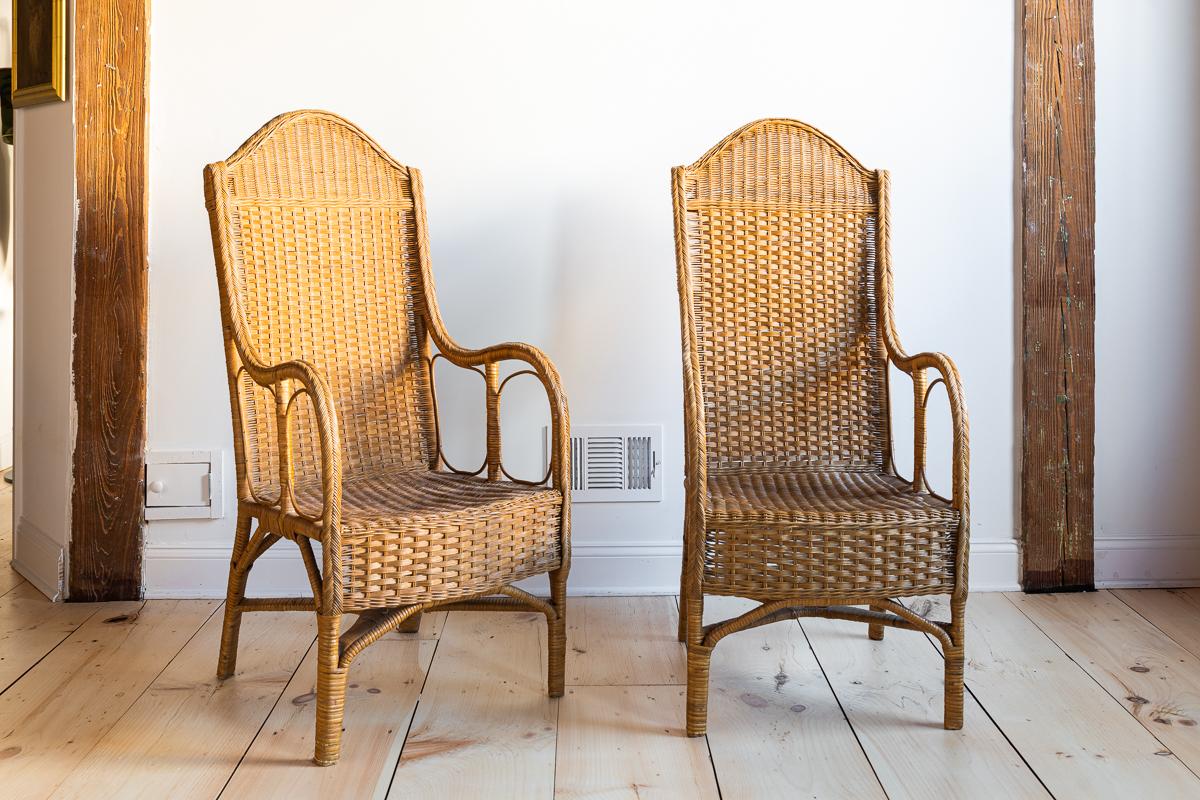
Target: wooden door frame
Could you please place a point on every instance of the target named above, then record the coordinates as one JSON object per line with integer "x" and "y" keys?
{"x": 1057, "y": 285}
{"x": 110, "y": 66}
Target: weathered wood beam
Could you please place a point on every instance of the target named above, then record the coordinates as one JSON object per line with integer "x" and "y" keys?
{"x": 1058, "y": 214}
{"x": 109, "y": 359}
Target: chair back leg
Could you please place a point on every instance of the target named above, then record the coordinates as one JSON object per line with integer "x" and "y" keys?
{"x": 874, "y": 629}
{"x": 234, "y": 594}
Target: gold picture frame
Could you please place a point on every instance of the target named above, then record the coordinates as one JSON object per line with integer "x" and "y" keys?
{"x": 39, "y": 51}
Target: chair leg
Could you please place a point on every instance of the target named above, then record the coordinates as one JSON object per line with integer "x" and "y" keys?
{"x": 556, "y": 639}
{"x": 698, "y": 659}
{"x": 234, "y": 594}
{"x": 331, "y": 691}
{"x": 874, "y": 629}
{"x": 410, "y": 625}
{"x": 955, "y": 658}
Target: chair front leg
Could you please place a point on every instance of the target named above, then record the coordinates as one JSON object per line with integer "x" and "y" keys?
{"x": 235, "y": 593}
{"x": 698, "y": 659}
{"x": 556, "y": 639}
{"x": 955, "y": 660}
{"x": 331, "y": 691}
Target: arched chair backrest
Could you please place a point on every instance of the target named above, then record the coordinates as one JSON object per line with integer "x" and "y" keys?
{"x": 317, "y": 240}
{"x": 776, "y": 232}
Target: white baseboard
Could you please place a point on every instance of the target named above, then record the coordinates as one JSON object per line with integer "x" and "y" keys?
{"x": 614, "y": 568}
{"x": 39, "y": 559}
{"x": 995, "y": 566}
{"x": 1147, "y": 562}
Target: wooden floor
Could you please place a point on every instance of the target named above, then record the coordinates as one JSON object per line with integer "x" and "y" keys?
{"x": 1071, "y": 696}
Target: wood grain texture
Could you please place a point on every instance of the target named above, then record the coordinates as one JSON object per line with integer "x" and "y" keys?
{"x": 30, "y": 627}
{"x": 1154, "y": 677}
{"x": 109, "y": 360}
{"x": 1058, "y": 214}
{"x": 892, "y": 694}
{"x": 187, "y": 732}
{"x": 385, "y": 682}
{"x": 9, "y": 577}
{"x": 1175, "y": 612}
{"x": 775, "y": 728}
{"x": 61, "y": 708}
{"x": 629, "y": 742}
{"x": 1079, "y": 741}
{"x": 624, "y": 641}
{"x": 485, "y": 726}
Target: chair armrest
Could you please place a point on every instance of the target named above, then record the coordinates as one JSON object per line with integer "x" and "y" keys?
{"x": 543, "y": 369}
{"x": 915, "y": 366}
{"x": 312, "y": 383}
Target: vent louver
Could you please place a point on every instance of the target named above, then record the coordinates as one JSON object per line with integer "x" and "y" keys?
{"x": 615, "y": 463}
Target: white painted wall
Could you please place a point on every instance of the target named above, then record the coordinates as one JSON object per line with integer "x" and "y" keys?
{"x": 1147, "y": 288}
{"x": 545, "y": 132}
{"x": 43, "y": 234}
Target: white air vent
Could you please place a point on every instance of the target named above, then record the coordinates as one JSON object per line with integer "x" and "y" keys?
{"x": 614, "y": 463}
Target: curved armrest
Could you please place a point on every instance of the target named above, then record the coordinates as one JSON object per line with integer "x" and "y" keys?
{"x": 543, "y": 368}
{"x": 313, "y": 384}
{"x": 915, "y": 366}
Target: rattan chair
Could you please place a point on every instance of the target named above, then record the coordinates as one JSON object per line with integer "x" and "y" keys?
{"x": 793, "y": 499}
{"x": 328, "y": 310}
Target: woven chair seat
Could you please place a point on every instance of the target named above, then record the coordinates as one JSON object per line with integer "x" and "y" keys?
{"x": 823, "y": 499}
{"x": 378, "y": 500}
{"x": 414, "y": 536}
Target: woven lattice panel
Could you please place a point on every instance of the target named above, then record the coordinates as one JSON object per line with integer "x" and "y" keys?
{"x": 327, "y": 272}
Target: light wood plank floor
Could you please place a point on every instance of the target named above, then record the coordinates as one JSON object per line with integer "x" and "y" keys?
{"x": 1071, "y": 696}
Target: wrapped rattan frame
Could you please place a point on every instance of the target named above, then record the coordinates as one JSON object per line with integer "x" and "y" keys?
{"x": 789, "y": 181}
{"x": 296, "y": 452}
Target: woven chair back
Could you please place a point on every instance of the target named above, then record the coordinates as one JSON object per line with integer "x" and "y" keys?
{"x": 322, "y": 266}
{"x": 779, "y": 225}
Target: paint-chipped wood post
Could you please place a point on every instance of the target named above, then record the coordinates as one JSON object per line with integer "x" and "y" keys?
{"x": 1058, "y": 211}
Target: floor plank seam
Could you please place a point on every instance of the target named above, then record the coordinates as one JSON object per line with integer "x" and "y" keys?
{"x": 1110, "y": 695}
{"x": 1155, "y": 625}
{"x": 712, "y": 762}
{"x": 842, "y": 708}
{"x": 267, "y": 716}
{"x": 437, "y": 644}
{"x": 46, "y": 654}
{"x": 995, "y": 724}
{"x": 16, "y": 585}
{"x": 146, "y": 688}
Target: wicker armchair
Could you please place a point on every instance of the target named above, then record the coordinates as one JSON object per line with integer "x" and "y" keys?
{"x": 793, "y": 499}
{"x": 328, "y": 309}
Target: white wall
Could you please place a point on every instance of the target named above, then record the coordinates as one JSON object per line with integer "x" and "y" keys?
{"x": 545, "y": 132}
{"x": 1147, "y": 288}
{"x": 44, "y": 234}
